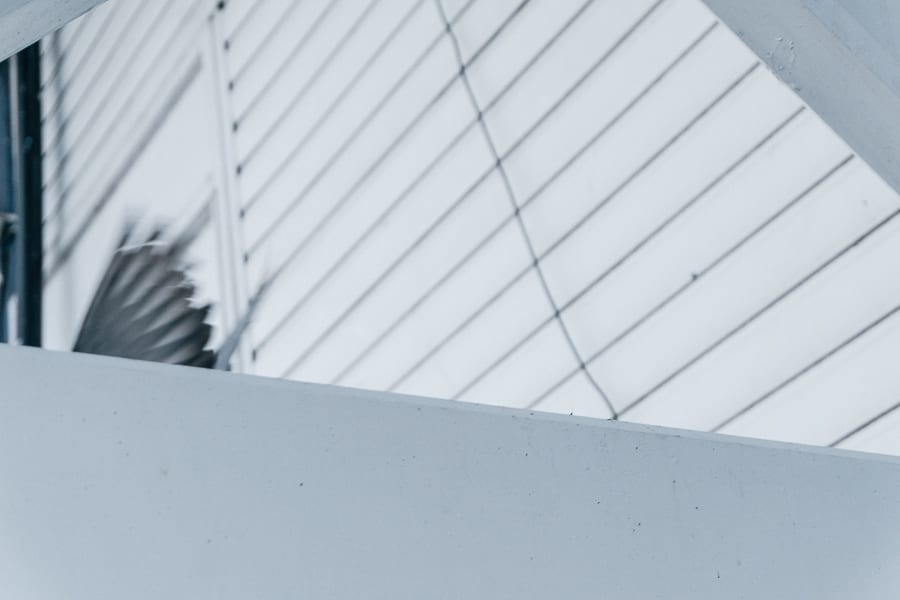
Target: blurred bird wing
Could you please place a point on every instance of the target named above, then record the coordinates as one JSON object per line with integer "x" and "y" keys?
{"x": 144, "y": 309}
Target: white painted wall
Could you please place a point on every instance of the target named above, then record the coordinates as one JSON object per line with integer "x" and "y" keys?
{"x": 135, "y": 480}
{"x": 716, "y": 257}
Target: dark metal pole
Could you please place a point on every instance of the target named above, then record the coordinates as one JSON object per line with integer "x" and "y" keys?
{"x": 7, "y": 204}
{"x": 25, "y": 82}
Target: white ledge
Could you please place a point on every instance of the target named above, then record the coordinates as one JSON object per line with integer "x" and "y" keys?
{"x": 133, "y": 480}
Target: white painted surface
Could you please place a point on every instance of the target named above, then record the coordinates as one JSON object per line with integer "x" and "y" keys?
{"x": 134, "y": 480}
{"x": 23, "y": 22}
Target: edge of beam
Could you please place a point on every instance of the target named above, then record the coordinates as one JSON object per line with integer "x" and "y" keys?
{"x": 842, "y": 67}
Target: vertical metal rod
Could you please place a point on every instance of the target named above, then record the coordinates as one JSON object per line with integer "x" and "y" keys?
{"x": 25, "y": 109}
{"x": 7, "y": 205}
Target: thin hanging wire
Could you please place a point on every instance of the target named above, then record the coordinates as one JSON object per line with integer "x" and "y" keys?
{"x": 507, "y": 184}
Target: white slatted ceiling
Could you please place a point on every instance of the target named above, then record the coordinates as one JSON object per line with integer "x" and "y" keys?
{"x": 335, "y": 158}
{"x": 879, "y": 434}
{"x": 695, "y": 224}
{"x": 729, "y": 298}
{"x": 657, "y": 168}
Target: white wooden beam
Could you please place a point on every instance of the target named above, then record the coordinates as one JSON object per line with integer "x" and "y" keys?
{"x": 842, "y": 58}
{"x": 132, "y": 480}
{"x": 23, "y": 22}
